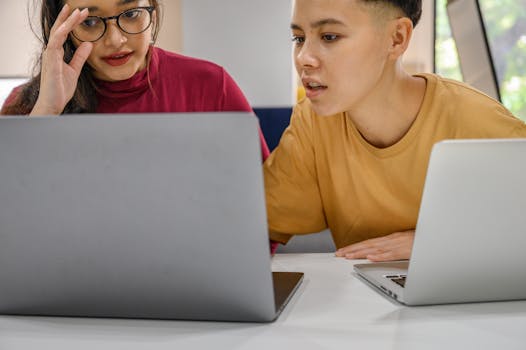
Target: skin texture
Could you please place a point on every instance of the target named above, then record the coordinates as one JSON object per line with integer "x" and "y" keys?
{"x": 59, "y": 79}
{"x": 349, "y": 59}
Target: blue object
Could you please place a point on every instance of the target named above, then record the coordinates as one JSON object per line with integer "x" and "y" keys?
{"x": 273, "y": 122}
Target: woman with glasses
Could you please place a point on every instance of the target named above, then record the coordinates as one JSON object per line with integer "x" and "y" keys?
{"x": 98, "y": 56}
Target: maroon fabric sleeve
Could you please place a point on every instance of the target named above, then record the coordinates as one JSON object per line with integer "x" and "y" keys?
{"x": 273, "y": 247}
{"x": 10, "y": 99}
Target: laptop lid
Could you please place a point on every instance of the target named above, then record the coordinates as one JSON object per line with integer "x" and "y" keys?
{"x": 470, "y": 237}
{"x": 151, "y": 216}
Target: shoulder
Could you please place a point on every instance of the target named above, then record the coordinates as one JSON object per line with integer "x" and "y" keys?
{"x": 302, "y": 116}
{"x": 467, "y": 107}
{"x": 189, "y": 66}
{"x": 11, "y": 98}
{"x": 460, "y": 94}
{"x": 460, "y": 98}
{"x": 303, "y": 112}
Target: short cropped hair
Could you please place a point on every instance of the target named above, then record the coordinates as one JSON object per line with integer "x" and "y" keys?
{"x": 411, "y": 8}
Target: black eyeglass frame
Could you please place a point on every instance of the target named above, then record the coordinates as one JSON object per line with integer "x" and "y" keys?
{"x": 104, "y": 20}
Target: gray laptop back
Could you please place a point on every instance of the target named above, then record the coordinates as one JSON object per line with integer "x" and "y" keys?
{"x": 153, "y": 216}
{"x": 471, "y": 230}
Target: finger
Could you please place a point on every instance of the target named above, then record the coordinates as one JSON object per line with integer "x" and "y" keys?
{"x": 401, "y": 251}
{"x": 370, "y": 243}
{"x": 62, "y": 32}
{"x": 362, "y": 254}
{"x": 59, "y": 33}
{"x": 67, "y": 19}
{"x": 353, "y": 248}
{"x": 380, "y": 257}
{"x": 387, "y": 256}
{"x": 81, "y": 56}
{"x": 390, "y": 242}
{"x": 62, "y": 16}
{"x": 397, "y": 248}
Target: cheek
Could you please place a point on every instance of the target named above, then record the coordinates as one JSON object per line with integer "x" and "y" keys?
{"x": 143, "y": 39}
{"x": 140, "y": 43}
{"x": 92, "y": 58}
{"x": 297, "y": 64}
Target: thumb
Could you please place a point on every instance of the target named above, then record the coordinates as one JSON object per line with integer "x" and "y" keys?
{"x": 81, "y": 56}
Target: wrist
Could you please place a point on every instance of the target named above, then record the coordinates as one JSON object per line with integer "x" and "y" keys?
{"x": 42, "y": 109}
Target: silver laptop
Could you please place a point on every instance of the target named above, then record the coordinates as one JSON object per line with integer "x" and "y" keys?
{"x": 136, "y": 216}
{"x": 471, "y": 231}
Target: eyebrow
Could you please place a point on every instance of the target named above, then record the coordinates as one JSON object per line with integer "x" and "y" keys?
{"x": 120, "y": 3}
{"x": 319, "y": 23}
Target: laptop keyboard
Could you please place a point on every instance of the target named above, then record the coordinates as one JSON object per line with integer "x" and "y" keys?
{"x": 398, "y": 279}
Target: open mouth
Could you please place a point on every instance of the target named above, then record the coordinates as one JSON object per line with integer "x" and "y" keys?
{"x": 118, "y": 59}
{"x": 314, "y": 89}
{"x": 312, "y": 86}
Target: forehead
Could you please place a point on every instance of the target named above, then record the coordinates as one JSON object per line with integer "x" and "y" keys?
{"x": 309, "y": 12}
{"x": 106, "y": 5}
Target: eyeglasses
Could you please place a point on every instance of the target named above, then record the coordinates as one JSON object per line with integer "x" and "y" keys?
{"x": 132, "y": 21}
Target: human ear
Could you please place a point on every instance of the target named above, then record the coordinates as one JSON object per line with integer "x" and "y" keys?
{"x": 154, "y": 27}
{"x": 154, "y": 19}
{"x": 401, "y": 33}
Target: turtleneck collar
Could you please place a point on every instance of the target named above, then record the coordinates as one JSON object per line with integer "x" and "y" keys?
{"x": 133, "y": 86}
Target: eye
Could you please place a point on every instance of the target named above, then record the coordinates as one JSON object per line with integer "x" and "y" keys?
{"x": 329, "y": 37}
{"x": 298, "y": 40}
{"x": 91, "y": 22}
{"x": 132, "y": 14}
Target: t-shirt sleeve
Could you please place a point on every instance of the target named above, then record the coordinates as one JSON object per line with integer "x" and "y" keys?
{"x": 294, "y": 204}
{"x": 235, "y": 100}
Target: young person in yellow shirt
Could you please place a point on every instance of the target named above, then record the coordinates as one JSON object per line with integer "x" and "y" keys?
{"x": 355, "y": 155}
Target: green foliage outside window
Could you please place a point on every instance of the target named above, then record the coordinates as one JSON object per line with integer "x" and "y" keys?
{"x": 506, "y": 28}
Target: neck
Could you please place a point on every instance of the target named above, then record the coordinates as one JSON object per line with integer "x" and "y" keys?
{"x": 386, "y": 115}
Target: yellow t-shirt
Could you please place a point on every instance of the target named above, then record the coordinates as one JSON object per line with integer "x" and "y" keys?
{"x": 325, "y": 174}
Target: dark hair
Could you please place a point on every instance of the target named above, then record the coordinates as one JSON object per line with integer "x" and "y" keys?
{"x": 85, "y": 97}
{"x": 411, "y": 8}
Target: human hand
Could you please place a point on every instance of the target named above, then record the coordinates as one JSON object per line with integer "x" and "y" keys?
{"x": 396, "y": 246}
{"x": 59, "y": 79}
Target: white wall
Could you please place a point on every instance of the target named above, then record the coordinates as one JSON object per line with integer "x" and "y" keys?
{"x": 19, "y": 44}
{"x": 251, "y": 39}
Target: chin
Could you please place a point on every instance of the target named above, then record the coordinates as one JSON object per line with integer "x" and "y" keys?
{"x": 325, "y": 110}
{"x": 114, "y": 77}
{"x": 126, "y": 76}
{"x": 114, "y": 74}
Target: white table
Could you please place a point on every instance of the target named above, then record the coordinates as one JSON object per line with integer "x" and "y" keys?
{"x": 331, "y": 310}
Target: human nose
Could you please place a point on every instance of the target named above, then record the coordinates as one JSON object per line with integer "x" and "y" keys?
{"x": 306, "y": 55}
{"x": 114, "y": 36}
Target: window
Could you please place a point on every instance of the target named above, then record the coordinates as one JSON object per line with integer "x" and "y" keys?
{"x": 506, "y": 28}
{"x": 505, "y": 24}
